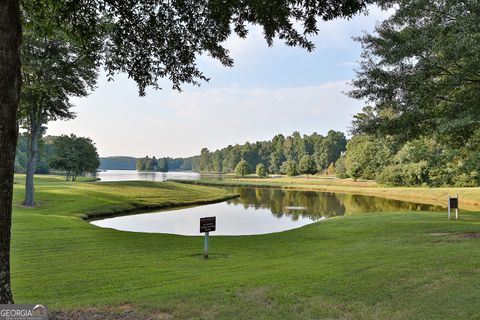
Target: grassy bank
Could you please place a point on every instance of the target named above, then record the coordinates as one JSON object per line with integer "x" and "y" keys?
{"x": 404, "y": 265}
{"x": 469, "y": 197}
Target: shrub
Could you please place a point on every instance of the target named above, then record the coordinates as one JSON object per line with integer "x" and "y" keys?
{"x": 260, "y": 170}
{"x": 242, "y": 168}
{"x": 289, "y": 167}
{"x": 412, "y": 174}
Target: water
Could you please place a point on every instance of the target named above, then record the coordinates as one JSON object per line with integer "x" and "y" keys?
{"x": 259, "y": 211}
{"x": 128, "y": 175}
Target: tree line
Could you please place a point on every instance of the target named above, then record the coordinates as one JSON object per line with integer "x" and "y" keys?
{"x": 130, "y": 163}
{"x": 292, "y": 155}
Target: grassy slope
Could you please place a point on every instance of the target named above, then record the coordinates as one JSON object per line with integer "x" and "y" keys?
{"x": 390, "y": 266}
{"x": 469, "y": 197}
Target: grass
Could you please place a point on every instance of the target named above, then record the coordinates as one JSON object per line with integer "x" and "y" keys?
{"x": 404, "y": 265}
{"x": 469, "y": 197}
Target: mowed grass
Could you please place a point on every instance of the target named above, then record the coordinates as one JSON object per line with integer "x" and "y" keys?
{"x": 469, "y": 197}
{"x": 404, "y": 265}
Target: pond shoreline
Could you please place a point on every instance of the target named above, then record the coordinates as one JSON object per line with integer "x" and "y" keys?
{"x": 428, "y": 196}
{"x": 139, "y": 209}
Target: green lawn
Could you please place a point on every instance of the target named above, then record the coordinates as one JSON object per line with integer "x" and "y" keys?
{"x": 374, "y": 266}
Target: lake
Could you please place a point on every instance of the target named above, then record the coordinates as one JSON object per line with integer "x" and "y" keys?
{"x": 132, "y": 175}
{"x": 129, "y": 175}
{"x": 259, "y": 211}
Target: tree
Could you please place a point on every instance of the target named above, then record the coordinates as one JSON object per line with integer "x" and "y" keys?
{"x": 204, "y": 161}
{"x": 331, "y": 169}
{"x": 148, "y": 40}
{"x": 242, "y": 168}
{"x": 260, "y": 170}
{"x": 277, "y": 157}
{"x": 53, "y": 71}
{"x": 340, "y": 170}
{"x": 289, "y": 168}
{"x": 74, "y": 155}
{"x": 419, "y": 72}
{"x": 367, "y": 156}
{"x": 163, "y": 165}
{"x": 307, "y": 165}
{"x": 142, "y": 163}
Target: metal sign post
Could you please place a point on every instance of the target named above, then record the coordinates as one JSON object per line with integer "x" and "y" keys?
{"x": 449, "y": 207}
{"x": 206, "y": 225}
{"x": 205, "y": 249}
{"x": 456, "y": 209}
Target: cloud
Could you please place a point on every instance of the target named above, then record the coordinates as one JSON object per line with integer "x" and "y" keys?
{"x": 180, "y": 124}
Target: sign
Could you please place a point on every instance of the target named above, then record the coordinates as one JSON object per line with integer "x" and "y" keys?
{"x": 207, "y": 224}
{"x": 23, "y": 312}
{"x": 454, "y": 203}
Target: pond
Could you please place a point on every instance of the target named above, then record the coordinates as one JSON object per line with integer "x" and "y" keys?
{"x": 259, "y": 211}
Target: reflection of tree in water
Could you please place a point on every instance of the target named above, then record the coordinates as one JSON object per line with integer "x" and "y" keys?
{"x": 360, "y": 204}
{"x": 317, "y": 204}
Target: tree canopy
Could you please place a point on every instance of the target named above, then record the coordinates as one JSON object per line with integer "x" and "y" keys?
{"x": 242, "y": 168}
{"x": 74, "y": 155}
{"x": 151, "y": 40}
{"x": 419, "y": 72}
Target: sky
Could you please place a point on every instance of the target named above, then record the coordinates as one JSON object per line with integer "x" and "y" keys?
{"x": 269, "y": 90}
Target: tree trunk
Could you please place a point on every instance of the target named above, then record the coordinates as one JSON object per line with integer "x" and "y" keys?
{"x": 10, "y": 82}
{"x": 32, "y": 156}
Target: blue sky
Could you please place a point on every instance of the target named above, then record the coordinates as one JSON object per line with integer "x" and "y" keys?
{"x": 269, "y": 90}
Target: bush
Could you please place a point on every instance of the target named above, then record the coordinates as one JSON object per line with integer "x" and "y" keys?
{"x": 412, "y": 174}
{"x": 260, "y": 170}
{"x": 242, "y": 168}
{"x": 331, "y": 169}
{"x": 289, "y": 168}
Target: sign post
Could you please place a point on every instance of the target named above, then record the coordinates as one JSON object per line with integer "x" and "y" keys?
{"x": 207, "y": 224}
{"x": 453, "y": 204}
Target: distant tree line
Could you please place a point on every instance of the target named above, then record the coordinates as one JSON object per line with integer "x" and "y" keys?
{"x": 152, "y": 164}
{"x": 291, "y": 155}
{"x": 118, "y": 163}
{"x": 130, "y": 163}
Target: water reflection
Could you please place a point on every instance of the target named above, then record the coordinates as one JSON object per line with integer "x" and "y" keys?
{"x": 260, "y": 211}
{"x": 319, "y": 204}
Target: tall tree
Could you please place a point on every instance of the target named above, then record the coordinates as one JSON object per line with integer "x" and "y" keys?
{"x": 420, "y": 72}
{"x": 306, "y": 165}
{"x": 148, "y": 40}
{"x": 53, "y": 71}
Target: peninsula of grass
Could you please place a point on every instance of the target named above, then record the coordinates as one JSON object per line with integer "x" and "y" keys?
{"x": 469, "y": 197}
{"x": 403, "y": 265}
